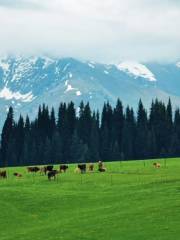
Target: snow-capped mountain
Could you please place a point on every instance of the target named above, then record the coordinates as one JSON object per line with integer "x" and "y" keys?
{"x": 26, "y": 82}
{"x": 136, "y": 70}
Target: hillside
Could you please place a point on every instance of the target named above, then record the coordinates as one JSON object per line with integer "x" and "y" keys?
{"x": 132, "y": 200}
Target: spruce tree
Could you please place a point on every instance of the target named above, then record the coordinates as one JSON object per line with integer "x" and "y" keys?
{"x": 117, "y": 126}
{"x": 94, "y": 141}
{"x": 52, "y": 123}
{"x": 78, "y": 150}
{"x": 129, "y": 135}
{"x": 7, "y": 134}
{"x": 19, "y": 138}
{"x": 141, "y": 133}
{"x": 56, "y": 148}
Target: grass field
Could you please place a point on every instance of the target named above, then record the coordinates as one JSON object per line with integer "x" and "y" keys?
{"x": 132, "y": 200}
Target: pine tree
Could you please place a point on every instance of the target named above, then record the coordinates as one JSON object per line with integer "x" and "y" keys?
{"x": 7, "y": 133}
{"x": 158, "y": 123}
{"x": 141, "y": 133}
{"x": 84, "y": 123}
{"x": 71, "y": 118}
{"x": 151, "y": 144}
{"x": 177, "y": 123}
{"x": 175, "y": 136}
{"x": 129, "y": 135}
{"x": 27, "y": 124}
{"x": 94, "y": 141}
{"x": 56, "y": 148}
{"x": 78, "y": 150}
{"x": 19, "y": 138}
{"x": 106, "y": 132}
{"x": 169, "y": 127}
{"x": 116, "y": 154}
{"x": 118, "y": 122}
{"x": 52, "y": 123}
{"x": 47, "y": 158}
{"x": 104, "y": 144}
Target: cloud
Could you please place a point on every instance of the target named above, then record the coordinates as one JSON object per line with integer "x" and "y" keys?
{"x": 108, "y": 32}
{"x": 20, "y": 4}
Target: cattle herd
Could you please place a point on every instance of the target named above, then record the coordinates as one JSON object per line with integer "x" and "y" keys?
{"x": 51, "y": 173}
{"x": 48, "y": 170}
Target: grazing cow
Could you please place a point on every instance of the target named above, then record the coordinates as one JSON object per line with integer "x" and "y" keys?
{"x": 63, "y": 168}
{"x": 48, "y": 168}
{"x": 42, "y": 170}
{"x": 45, "y": 169}
{"x": 52, "y": 174}
{"x": 33, "y": 169}
{"x": 3, "y": 174}
{"x": 77, "y": 170}
{"x": 19, "y": 175}
{"x": 82, "y": 168}
{"x": 91, "y": 167}
{"x": 101, "y": 167}
{"x": 157, "y": 165}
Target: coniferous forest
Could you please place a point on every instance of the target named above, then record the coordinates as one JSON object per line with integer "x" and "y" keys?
{"x": 117, "y": 133}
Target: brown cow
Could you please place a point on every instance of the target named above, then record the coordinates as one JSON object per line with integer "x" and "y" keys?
{"x": 91, "y": 167}
{"x": 33, "y": 169}
{"x": 3, "y": 174}
{"x": 157, "y": 165}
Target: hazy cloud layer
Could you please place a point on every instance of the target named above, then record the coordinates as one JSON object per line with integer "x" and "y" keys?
{"x": 28, "y": 4}
{"x": 107, "y": 31}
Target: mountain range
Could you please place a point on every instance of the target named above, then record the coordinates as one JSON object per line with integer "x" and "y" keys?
{"x": 26, "y": 82}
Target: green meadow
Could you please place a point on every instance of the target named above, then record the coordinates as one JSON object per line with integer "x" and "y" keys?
{"x": 132, "y": 200}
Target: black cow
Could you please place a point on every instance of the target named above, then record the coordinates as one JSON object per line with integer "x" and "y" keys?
{"x": 52, "y": 174}
{"x": 48, "y": 168}
{"x": 82, "y": 168}
{"x": 3, "y": 174}
{"x": 63, "y": 168}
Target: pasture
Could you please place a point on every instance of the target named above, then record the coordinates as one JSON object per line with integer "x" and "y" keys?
{"x": 132, "y": 200}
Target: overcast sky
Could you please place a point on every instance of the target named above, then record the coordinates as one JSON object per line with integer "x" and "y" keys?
{"x": 99, "y": 30}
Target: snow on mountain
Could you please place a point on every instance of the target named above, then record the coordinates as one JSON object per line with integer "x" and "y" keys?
{"x": 70, "y": 88}
{"x": 7, "y": 94}
{"x": 26, "y": 82}
{"x": 78, "y": 93}
{"x": 137, "y": 70}
{"x": 91, "y": 65}
{"x": 4, "y": 65}
{"x": 47, "y": 61}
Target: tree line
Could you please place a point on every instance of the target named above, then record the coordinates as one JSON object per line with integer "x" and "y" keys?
{"x": 117, "y": 133}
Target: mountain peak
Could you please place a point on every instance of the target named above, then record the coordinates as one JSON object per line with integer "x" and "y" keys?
{"x": 26, "y": 82}
{"x": 137, "y": 70}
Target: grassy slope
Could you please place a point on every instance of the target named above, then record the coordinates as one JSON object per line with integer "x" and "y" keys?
{"x": 133, "y": 202}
